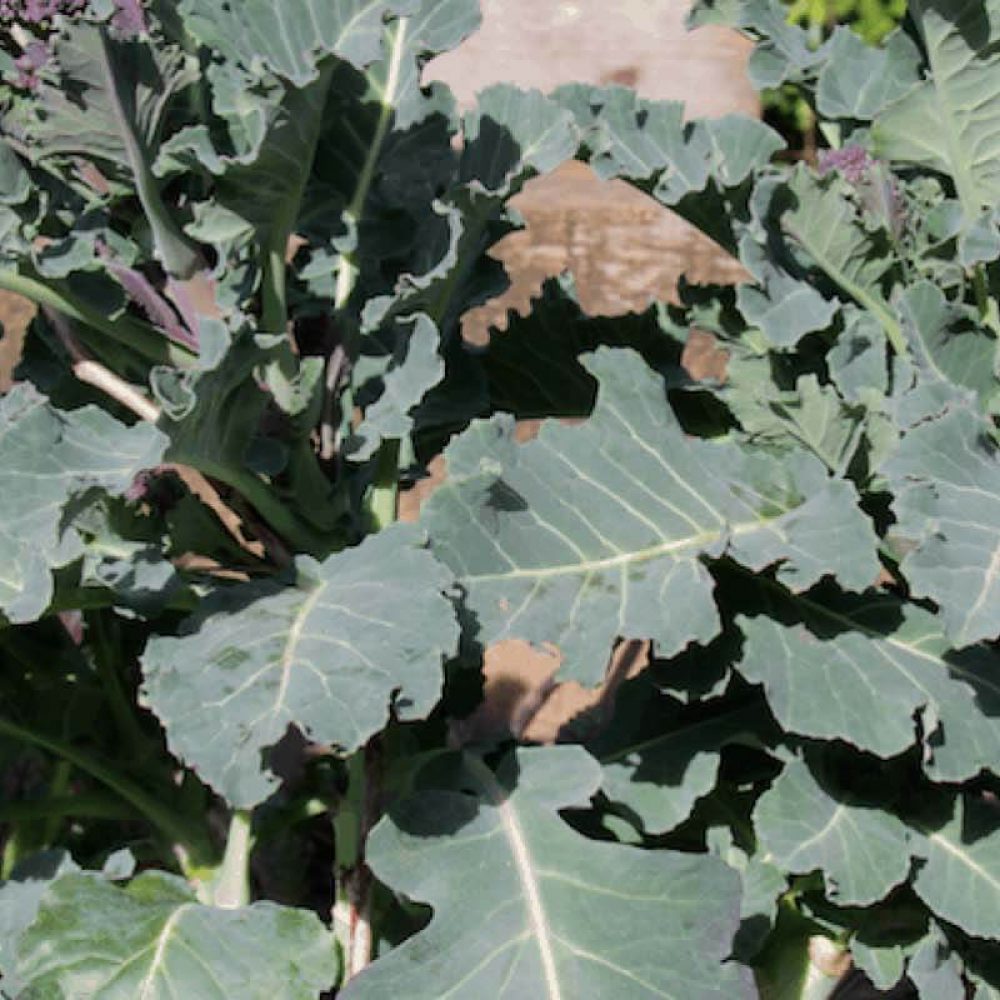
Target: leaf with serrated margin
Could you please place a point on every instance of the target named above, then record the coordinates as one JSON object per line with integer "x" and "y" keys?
{"x": 649, "y": 141}
{"x": 47, "y": 458}
{"x": 367, "y": 629}
{"x": 800, "y": 826}
{"x": 862, "y": 670}
{"x": 291, "y": 38}
{"x": 946, "y": 479}
{"x": 660, "y": 756}
{"x": 598, "y": 531}
{"x": 859, "y": 80}
{"x": 552, "y": 914}
{"x": 153, "y": 939}
{"x": 960, "y": 96}
{"x": 960, "y": 875}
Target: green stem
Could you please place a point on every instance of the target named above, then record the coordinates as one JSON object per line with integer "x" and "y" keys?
{"x": 120, "y": 704}
{"x": 58, "y": 787}
{"x": 348, "y": 275}
{"x": 383, "y": 503}
{"x": 177, "y": 253}
{"x": 307, "y": 105}
{"x": 194, "y": 842}
{"x": 231, "y": 887}
{"x": 989, "y": 312}
{"x": 153, "y": 346}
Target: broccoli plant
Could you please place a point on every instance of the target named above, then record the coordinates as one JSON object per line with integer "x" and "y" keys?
{"x": 236, "y": 688}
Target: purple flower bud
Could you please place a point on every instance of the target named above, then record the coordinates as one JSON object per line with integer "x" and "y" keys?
{"x": 129, "y": 20}
{"x": 852, "y": 162}
{"x": 34, "y": 57}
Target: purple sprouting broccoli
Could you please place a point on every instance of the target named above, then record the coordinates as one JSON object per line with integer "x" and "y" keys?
{"x": 853, "y": 163}
{"x": 34, "y": 57}
{"x": 128, "y": 20}
{"x": 37, "y": 12}
{"x": 872, "y": 179}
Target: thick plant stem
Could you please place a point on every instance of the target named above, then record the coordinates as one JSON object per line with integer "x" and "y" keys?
{"x": 231, "y": 888}
{"x": 989, "y": 310}
{"x": 274, "y": 298}
{"x": 177, "y": 253}
{"x": 153, "y": 346}
{"x": 384, "y": 501}
{"x": 58, "y": 787}
{"x": 192, "y": 843}
{"x": 355, "y": 817}
{"x": 107, "y": 670}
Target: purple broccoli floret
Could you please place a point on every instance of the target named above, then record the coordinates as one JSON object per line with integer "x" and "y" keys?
{"x": 853, "y": 162}
{"x": 34, "y": 57}
{"x": 128, "y": 21}
{"x": 37, "y": 11}
{"x": 872, "y": 179}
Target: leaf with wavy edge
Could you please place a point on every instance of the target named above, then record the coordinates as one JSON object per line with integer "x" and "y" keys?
{"x": 524, "y": 906}
{"x": 946, "y": 479}
{"x": 291, "y": 38}
{"x": 416, "y": 368}
{"x": 153, "y": 940}
{"x": 367, "y": 628}
{"x": 960, "y": 96}
{"x": 598, "y": 531}
{"x": 47, "y": 458}
{"x": 863, "y": 852}
{"x": 862, "y": 669}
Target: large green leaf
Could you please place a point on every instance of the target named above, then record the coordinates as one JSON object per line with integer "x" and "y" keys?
{"x": 153, "y": 940}
{"x": 861, "y": 669}
{"x": 859, "y": 80}
{"x": 960, "y": 877}
{"x": 49, "y": 457}
{"x": 946, "y": 480}
{"x": 291, "y": 38}
{"x": 524, "y": 906}
{"x": 951, "y": 122}
{"x": 800, "y": 826}
{"x": 596, "y": 531}
{"x": 367, "y": 629}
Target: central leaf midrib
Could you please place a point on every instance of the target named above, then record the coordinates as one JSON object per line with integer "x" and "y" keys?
{"x": 521, "y": 854}
{"x": 698, "y": 541}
